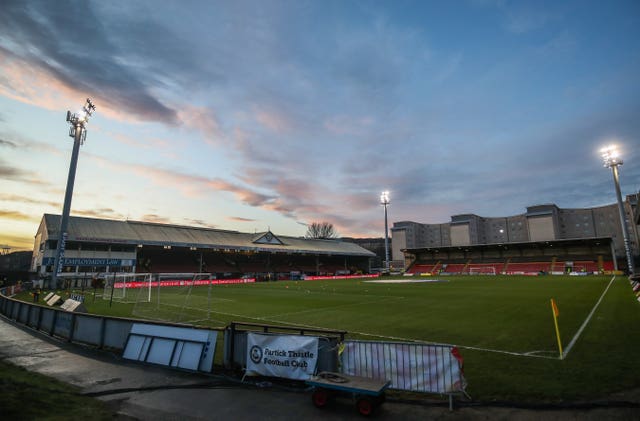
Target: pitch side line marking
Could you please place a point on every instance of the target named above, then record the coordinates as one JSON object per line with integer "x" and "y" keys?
{"x": 587, "y": 320}
{"x": 530, "y": 354}
{"x": 519, "y": 354}
{"x": 395, "y": 338}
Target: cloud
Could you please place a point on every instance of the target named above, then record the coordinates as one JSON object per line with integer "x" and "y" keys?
{"x": 202, "y": 119}
{"x": 28, "y": 200}
{"x": 154, "y": 218}
{"x": 189, "y": 185}
{"x": 106, "y": 213}
{"x": 274, "y": 120}
{"x": 146, "y": 143}
{"x": 8, "y": 144}
{"x": 16, "y": 215}
{"x": 315, "y": 126}
{"x": 17, "y": 242}
{"x": 240, "y": 219}
{"x": 12, "y": 173}
{"x": 199, "y": 222}
{"x": 68, "y": 53}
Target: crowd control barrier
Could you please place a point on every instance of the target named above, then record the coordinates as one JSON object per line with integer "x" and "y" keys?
{"x": 410, "y": 366}
{"x": 89, "y": 329}
{"x": 415, "y": 367}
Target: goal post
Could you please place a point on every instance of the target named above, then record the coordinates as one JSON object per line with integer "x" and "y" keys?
{"x": 482, "y": 270}
{"x": 175, "y": 299}
{"x": 128, "y": 287}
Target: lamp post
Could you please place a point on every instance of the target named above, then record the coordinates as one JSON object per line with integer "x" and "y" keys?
{"x": 79, "y": 133}
{"x": 384, "y": 201}
{"x": 612, "y": 159}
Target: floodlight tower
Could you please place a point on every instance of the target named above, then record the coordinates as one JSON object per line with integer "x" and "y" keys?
{"x": 611, "y": 158}
{"x": 384, "y": 201}
{"x": 79, "y": 133}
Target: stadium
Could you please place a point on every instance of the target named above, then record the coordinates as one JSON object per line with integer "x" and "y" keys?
{"x": 544, "y": 240}
{"x": 495, "y": 332}
{"x": 519, "y": 335}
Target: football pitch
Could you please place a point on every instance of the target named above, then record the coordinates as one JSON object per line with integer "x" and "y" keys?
{"x": 503, "y": 325}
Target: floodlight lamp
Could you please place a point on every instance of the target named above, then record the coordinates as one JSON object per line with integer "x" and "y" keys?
{"x": 611, "y": 156}
{"x": 384, "y": 198}
{"x": 81, "y": 116}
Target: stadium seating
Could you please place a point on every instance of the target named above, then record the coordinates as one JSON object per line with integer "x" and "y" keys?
{"x": 453, "y": 268}
{"x": 586, "y": 266}
{"x": 511, "y": 266}
{"x": 421, "y": 268}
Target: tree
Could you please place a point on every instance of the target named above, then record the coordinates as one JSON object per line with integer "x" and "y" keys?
{"x": 321, "y": 230}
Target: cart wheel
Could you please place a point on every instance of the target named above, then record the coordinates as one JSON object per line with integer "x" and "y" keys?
{"x": 320, "y": 397}
{"x": 365, "y": 406}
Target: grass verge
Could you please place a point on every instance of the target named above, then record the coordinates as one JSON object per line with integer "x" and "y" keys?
{"x": 25, "y": 395}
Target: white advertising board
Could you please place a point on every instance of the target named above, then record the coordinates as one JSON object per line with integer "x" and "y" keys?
{"x": 286, "y": 356}
{"x": 53, "y": 300}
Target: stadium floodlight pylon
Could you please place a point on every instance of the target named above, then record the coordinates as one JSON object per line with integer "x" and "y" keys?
{"x": 611, "y": 158}
{"x": 79, "y": 133}
{"x": 384, "y": 201}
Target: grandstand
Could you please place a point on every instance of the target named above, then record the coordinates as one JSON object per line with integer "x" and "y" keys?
{"x": 545, "y": 239}
{"x": 96, "y": 246}
{"x": 559, "y": 257}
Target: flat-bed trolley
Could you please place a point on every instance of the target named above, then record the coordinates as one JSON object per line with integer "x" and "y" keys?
{"x": 367, "y": 393}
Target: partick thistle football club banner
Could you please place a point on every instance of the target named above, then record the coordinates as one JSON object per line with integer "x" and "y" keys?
{"x": 286, "y": 356}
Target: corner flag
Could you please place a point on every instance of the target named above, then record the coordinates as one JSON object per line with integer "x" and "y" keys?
{"x": 556, "y": 313}
{"x": 555, "y": 308}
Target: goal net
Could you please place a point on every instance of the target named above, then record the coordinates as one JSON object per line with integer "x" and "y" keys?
{"x": 482, "y": 270}
{"x": 177, "y": 297}
{"x": 127, "y": 287}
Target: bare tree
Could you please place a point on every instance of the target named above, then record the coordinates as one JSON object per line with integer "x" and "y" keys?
{"x": 321, "y": 230}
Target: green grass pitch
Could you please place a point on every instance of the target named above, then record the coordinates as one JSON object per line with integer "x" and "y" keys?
{"x": 503, "y": 325}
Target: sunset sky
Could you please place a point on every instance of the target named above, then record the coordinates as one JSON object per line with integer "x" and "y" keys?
{"x": 256, "y": 115}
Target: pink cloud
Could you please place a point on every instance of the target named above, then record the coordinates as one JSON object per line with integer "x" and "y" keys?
{"x": 203, "y": 119}
{"x": 154, "y": 218}
{"x": 26, "y": 82}
{"x": 31, "y": 84}
{"x": 107, "y": 213}
{"x": 274, "y": 120}
{"x": 189, "y": 185}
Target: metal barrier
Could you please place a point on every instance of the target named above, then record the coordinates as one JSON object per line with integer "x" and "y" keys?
{"x": 416, "y": 367}
{"x": 89, "y": 329}
{"x": 410, "y": 366}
